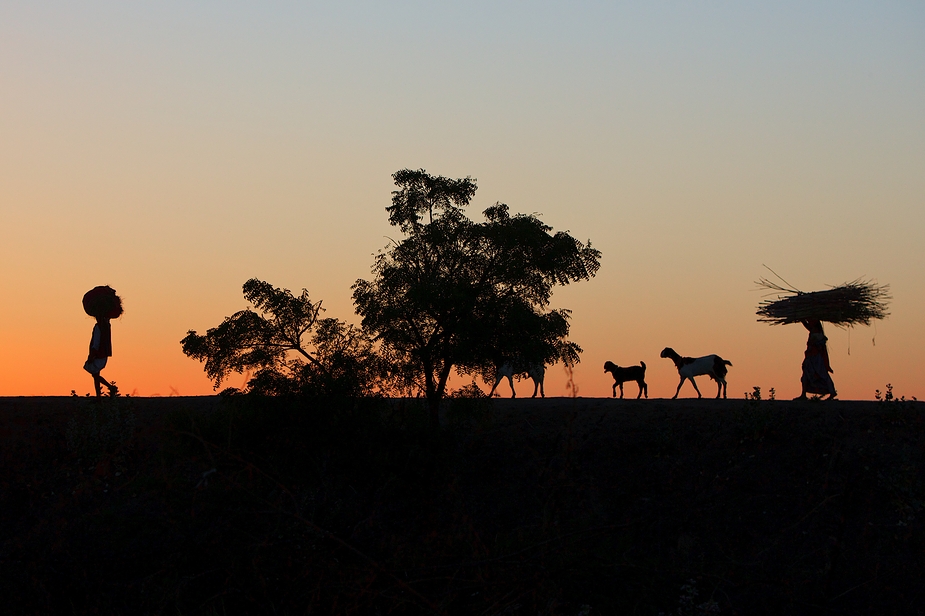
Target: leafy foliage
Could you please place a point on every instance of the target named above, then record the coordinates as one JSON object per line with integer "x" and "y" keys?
{"x": 459, "y": 294}
{"x": 339, "y": 358}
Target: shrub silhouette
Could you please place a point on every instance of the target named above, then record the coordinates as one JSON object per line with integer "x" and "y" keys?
{"x": 337, "y": 358}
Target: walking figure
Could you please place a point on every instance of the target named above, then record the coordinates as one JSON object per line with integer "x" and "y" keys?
{"x": 816, "y": 377}
{"x": 103, "y": 304}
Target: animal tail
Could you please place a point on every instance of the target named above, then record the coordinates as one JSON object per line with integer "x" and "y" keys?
{"x": 643, "y": 364}
{"x": 719, "y": 368}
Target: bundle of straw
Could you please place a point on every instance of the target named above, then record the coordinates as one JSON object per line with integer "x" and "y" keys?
{"x": 852, "y": 303}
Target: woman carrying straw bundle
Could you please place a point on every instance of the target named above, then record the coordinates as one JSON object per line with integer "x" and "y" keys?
{"x": 816, "y": 367}
{"x": 103, "y": 304}
{"x": 845, "y": 306}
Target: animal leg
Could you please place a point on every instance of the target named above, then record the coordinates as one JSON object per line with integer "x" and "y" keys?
{"x": 495, "y": 386}
{"x": 621, "y": 391}
{"x": 642, "y": 385}
{"x": 614, "y": 390}
{"x": 674, "y": 397}
{"x": 511, "y": 381}
{"x": 538, "y": 374}
{"x": 697, "y": 389}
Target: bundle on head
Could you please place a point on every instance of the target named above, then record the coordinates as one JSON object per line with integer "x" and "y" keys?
{"x": 849, "y": 304}
{"x": 102, "y": 302}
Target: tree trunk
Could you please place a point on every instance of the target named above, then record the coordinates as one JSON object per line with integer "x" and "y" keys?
{"x": 439, "y": 394}
{"x": 433, "y": 395}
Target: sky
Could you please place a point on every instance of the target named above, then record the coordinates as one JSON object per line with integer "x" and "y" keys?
{"x": 173, "y": 150}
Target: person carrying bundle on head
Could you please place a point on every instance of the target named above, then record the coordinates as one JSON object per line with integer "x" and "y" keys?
{"x": 816, "y": 368}
{"x": 846, "y": 305}
{"x": 103, "y": 304}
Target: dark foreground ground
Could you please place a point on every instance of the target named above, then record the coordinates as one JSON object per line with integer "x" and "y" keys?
{"x": 209, "y": 506}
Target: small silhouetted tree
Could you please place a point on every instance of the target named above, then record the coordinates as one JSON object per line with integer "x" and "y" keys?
{"x": 460, "y": 294}
{"x": 287, "y": 345}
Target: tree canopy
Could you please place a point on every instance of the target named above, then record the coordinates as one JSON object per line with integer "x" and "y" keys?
{"x": 465, "y": 295}
{"x": 338, "y": 358}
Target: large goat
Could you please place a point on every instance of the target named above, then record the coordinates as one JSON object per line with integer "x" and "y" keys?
{"x": 622, "y": 374}
{"x": 508, "y": 370}
{"x": 713, "y": 366}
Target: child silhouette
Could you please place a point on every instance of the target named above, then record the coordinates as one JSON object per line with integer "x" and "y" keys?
{"x": 103, "y": 304}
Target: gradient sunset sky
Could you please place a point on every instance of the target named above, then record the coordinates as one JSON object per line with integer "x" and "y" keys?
{"x": 173, "y": 150}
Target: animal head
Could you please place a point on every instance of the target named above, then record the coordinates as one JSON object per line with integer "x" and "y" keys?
{"x": 609, "y": 366}
{"x": 667, "y": 352}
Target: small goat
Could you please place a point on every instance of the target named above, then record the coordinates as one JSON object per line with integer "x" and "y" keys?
{"x": 537, "y": 372}
{"x": 713, "y": 366}
{"x": 628, "y": 373}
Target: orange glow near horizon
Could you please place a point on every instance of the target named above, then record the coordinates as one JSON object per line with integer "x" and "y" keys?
{"x": 174, "y": 152}
{"x": 147, "y": 363}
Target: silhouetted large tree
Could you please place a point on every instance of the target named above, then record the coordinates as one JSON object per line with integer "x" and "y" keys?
{"x": 459, "y": 294}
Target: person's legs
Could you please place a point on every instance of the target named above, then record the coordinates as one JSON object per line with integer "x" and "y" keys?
{"x": 99, "y": 380}
{"x": 828, "y": 385}
{"x": 807, "y": 377}
{"x": 831, "y": 384}
{"x": 816, "y": 379}
{"x": 95, "y": 366}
